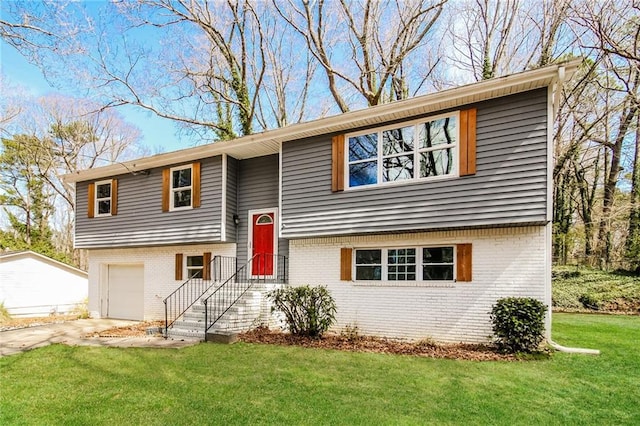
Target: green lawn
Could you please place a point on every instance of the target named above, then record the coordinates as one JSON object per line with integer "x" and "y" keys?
{"x": 248, "y": 384}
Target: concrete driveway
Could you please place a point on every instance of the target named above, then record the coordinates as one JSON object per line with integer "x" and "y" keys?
{"x": 78, "y": 333}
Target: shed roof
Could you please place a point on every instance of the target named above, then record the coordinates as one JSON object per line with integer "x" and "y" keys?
{"x": 17, "y": 255}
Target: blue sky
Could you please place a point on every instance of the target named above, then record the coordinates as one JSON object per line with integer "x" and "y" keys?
{"x": 160, "y": 135}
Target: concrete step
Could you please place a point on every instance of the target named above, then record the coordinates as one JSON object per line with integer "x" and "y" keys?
{"x": 187, "y": 324}
{"x": 181, "y": 331}
{"x": 249, "y": 298}
{"x": 198, "y": 314}
{"x": 185, "y": 334}
{"x": 240, "y": 317}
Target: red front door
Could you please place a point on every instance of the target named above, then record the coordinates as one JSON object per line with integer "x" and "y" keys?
{"x": 263, "y": 244}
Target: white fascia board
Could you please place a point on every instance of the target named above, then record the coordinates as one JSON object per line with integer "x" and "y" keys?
{"x": 245, "y": 147}
{"x": 32, "y": 254}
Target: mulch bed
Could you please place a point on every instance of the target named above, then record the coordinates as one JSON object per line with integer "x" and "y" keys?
{"x": 461, "y": 351}
{"x": 135, "y": 330}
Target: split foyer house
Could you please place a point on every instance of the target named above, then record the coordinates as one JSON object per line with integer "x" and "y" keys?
{"x": 417, "y": 215}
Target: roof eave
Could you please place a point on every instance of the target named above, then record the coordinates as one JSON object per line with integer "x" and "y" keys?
{"x": 268, "y": 142}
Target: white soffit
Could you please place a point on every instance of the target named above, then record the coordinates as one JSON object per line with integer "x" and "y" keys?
{"x": 268, "y": 142}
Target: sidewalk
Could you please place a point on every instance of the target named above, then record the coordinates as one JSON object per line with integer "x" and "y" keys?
{"x": 74, "y": 332}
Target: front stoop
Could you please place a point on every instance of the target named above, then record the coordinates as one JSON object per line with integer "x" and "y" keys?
{"x": 240, "y": 317}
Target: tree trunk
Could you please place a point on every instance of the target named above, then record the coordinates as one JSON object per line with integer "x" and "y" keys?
{"x": 632, "y": 244}
{"x": 562, "y": 216}
{"x": 604, "y": 233}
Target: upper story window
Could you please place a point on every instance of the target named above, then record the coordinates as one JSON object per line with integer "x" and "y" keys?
{"x": 421, "y": 149}
{"x": 181, "y": 187}
{"x": 103, "y": 198}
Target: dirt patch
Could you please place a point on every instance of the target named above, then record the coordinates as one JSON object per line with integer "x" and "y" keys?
{"x": 143, "y": 328}
{"x": 17, "y": 323}
{"x": 622, "y": 305}
{"x": 473, "y": 352}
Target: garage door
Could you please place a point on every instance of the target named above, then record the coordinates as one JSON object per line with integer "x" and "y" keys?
{"x": 125, "y": 292}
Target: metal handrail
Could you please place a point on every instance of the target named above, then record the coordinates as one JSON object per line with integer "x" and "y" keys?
{"x": 189, "y": 292}
{"x": 217, "y": 303}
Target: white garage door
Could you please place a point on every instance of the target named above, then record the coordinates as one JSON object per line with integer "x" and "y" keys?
{"x": 125, "y": 292}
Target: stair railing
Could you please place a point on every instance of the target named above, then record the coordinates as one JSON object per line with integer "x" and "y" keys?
{"x": 219, "y": 270}
{"x": 252, "y": 272}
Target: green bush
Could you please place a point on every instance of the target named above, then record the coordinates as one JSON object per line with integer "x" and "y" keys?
{"x": 518, "y": 324}
{"x": 589, "y": 301}
{"x": 309, "y": 311}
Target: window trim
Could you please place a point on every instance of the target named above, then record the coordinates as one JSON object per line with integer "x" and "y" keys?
{"x": 181, "y": 261}
{"x": 188, "y": 268}
{"x": 173, "y": 190}
{"x": 455, "y": 172}
{"x": 96, "y": 200}
{"x": 419, "y": 263}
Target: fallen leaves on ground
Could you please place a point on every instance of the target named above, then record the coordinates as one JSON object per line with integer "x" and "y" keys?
{"x": 463, "y": 351}
{"x": 16, "y": 323}
{"x": 134, "y": 330}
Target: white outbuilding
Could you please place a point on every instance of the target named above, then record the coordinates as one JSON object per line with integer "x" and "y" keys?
{"x": 33, "y": 285}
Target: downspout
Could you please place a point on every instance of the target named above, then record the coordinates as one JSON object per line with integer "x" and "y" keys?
{"x": 555, "y": 92}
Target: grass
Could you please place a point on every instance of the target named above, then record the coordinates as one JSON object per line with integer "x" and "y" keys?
{"x": 4, "y": 313}
{"x": 580, "y": 288}
{"x": 260, "y": 384}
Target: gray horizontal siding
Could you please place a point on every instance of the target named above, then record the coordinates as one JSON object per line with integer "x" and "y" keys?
{"x": 232, "y": 198}
{"x": 509, "y": 188}
{"x": 257, "y": 189}
{"x": 140, "y": 220}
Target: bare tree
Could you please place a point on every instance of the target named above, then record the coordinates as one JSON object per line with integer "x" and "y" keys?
{"x": 212, "y": 67}
{"x": 61, "y": 135}
{"x": 288, "y": 80}
{"x": 481, "y": 34}
{"x": 10, "y": 105}
{"x": 614, "y": 34}
{"x": 550, "y": 36}
{"x": 632, "y": 244}
{"x": 362, "y": 45}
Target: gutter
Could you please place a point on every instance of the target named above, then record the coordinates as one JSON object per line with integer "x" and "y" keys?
{"x": 561, "y": 348}
{"x": 559, "y": 81}
{"x": 268, "y": 142}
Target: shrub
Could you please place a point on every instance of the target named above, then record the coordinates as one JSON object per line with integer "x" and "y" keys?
{"x": 4, "y": 313}
{"x": 350, "y": 333}
{"x": 518, "y": 324}
{"x": 589, "y": 301}
{"x": 81, "y": 310}
{"x": 309, "y": 311}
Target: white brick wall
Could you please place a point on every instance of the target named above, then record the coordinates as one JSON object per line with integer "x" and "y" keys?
{"x": 158, "y": 272}
{"x": 506, "y": 262}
